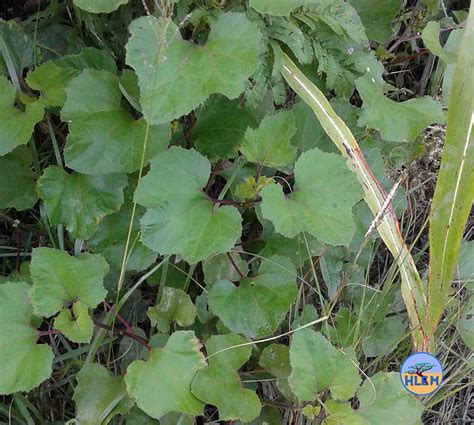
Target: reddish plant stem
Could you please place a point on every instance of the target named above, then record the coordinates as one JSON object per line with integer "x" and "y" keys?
{"x": 140, "y": 340}
{"x": 235, "y": 266}
{"x": 107, "y": 306}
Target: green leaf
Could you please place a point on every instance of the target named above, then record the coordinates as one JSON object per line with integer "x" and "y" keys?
{"x": 322, "y": 201}
{"x": 175, "y": 306}
{"x": 17, "y": 45}
{"x": 80, "y": 201}
{"x": 220, "y": 128}
{"x": 111, "y": 236}
{"x": 317, "y": 365}
{"x": 104, "y": 138}
{"x": 172, "y": 190}
{"x": 176, "y": 365}
{"x": 60, "y": 279}
{"x": 176, "y": 76}
{"x": 389, "y": 402}
{"x": 17, "y": 185}
{"x": 23, "y": 363}
{"x": 51, "y": 81}
{"x": 275, "y": 359}
{"x": 99, "y": 6}
{"x": 384, "y": 338}
{"x": 342, "y": 414}
{"x": 88, "y": 58}
{"x": 431, "y": 39}
{"x": 75, "y": 323}
{"x": 257, "y": 307}
{"x": 377, "y": 17}
{"x": 269, "y": 144}
{"x": 396, "y": 121}
{"x": 16, "y": 126}
{"x": 99, "y": 396}
{"x": 279, "y": 7}
{"x": 219, "y": 384}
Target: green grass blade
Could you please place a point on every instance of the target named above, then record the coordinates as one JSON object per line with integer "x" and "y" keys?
{"x": 375, "y": 197}
{"x": 454, "y": 191}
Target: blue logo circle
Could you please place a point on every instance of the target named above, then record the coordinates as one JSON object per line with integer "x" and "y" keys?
{"x": 421, "y": 373}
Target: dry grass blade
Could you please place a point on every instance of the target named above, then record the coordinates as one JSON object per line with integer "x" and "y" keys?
{"x": 375, "y": 196}
{"x": 454, "y": 192}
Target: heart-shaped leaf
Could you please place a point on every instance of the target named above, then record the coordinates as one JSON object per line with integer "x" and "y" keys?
{"x": 317, "y": 365}
{"x": 175, "y": 76}
{"x": 269, "y": 144}
{"x": 162, "y": 384}
{"x": 16, "y": 126}
{"x": 177, "y": 207}
{"x": 321, "y": 203}
{"x": 80, "y": 201}
{"x": 104, "y": 138}
{"x": 235, "y": 403}
{"x": 23, "y": 363}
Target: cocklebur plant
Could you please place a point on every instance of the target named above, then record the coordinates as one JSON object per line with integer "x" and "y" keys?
{"x": 197, "y": 251}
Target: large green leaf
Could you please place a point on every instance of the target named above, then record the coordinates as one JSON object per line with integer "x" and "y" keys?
{"x": 454, "y": 193}
{"x": 80, "y": 201}
{"x": 99, "y": 6}
{"x": 322, "y": 202}
{"x": 377, "y": 17}
{"x": 16, "y": 126}
{"x": 104, "y": 138}
{"x": 317, "y": 365}
{"x": 23, "y": 363}
{"x": 258, "y": 305}
{"x": 269, "y": 144}
{"x": 61, "y": 281}
{"x": 17, "y": 185}
{"x": 384, "y": 400}
{"x": 51, "y": 81}
{"x": 431, "y": 39}
{"x": 220, "y": 128}
{"x": 175, "y": 306}
{"x": 219, "y": 384}
{"x": 396, "y": 121}
{"x": 275, "y": 359}
{"x": 162, "y": 384}
{"x": 385, "y": 336}
{"x": 17, "y": 46}
{"x": 172, "y": 191}
{"x": 52, "y": 78}
{"x": 99, "y": 396}
{"x": 175, "y": 76}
